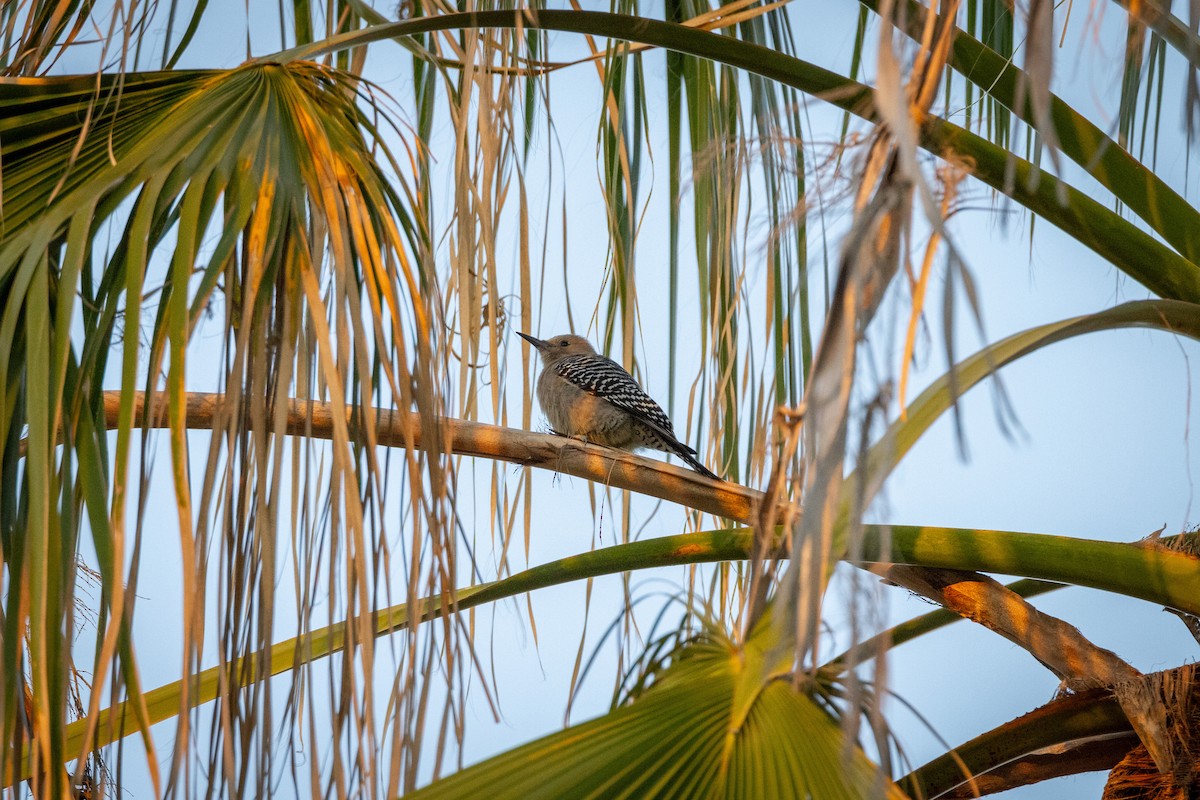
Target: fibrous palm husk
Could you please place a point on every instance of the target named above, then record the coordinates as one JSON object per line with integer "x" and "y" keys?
{"x": 1176, "y": 696}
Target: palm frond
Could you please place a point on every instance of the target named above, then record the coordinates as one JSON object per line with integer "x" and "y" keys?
{"x": 277, "y": 158}
{"x": 724, "y": 718}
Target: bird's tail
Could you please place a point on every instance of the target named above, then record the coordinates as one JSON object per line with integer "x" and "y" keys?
{"x": 665, "y": 441}
{"x": 689, "y": 457}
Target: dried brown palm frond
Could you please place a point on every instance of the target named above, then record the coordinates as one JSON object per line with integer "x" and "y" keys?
{"x": 872, "y": 251}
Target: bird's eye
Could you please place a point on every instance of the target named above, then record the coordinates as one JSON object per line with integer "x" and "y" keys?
{"x": 563, "y": 343}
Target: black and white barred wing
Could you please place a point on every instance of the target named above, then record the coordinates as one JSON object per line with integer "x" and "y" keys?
{"x": 607, "y": 379}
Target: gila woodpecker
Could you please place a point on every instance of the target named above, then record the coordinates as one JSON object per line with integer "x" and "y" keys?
{"x": 585, "y": 394}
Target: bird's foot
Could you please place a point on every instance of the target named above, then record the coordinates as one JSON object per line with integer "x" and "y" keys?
{"x": 579, "y": 437}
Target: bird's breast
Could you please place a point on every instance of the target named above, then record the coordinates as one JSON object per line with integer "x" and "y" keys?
{"x": 574, "y": 412}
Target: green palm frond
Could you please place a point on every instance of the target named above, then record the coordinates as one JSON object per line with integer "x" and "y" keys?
{"x": 1137, "y": 186}
{"x": 723, "y": 720}
{"x": 277, "y": 159}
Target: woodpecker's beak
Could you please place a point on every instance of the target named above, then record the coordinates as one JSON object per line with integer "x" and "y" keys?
{"x": 537, "y": 343}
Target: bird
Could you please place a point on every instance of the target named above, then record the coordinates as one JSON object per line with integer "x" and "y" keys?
{"x": 587, "y": 395}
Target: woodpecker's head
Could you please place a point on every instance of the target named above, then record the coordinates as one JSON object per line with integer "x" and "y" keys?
{"x": 559, "y": 347}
